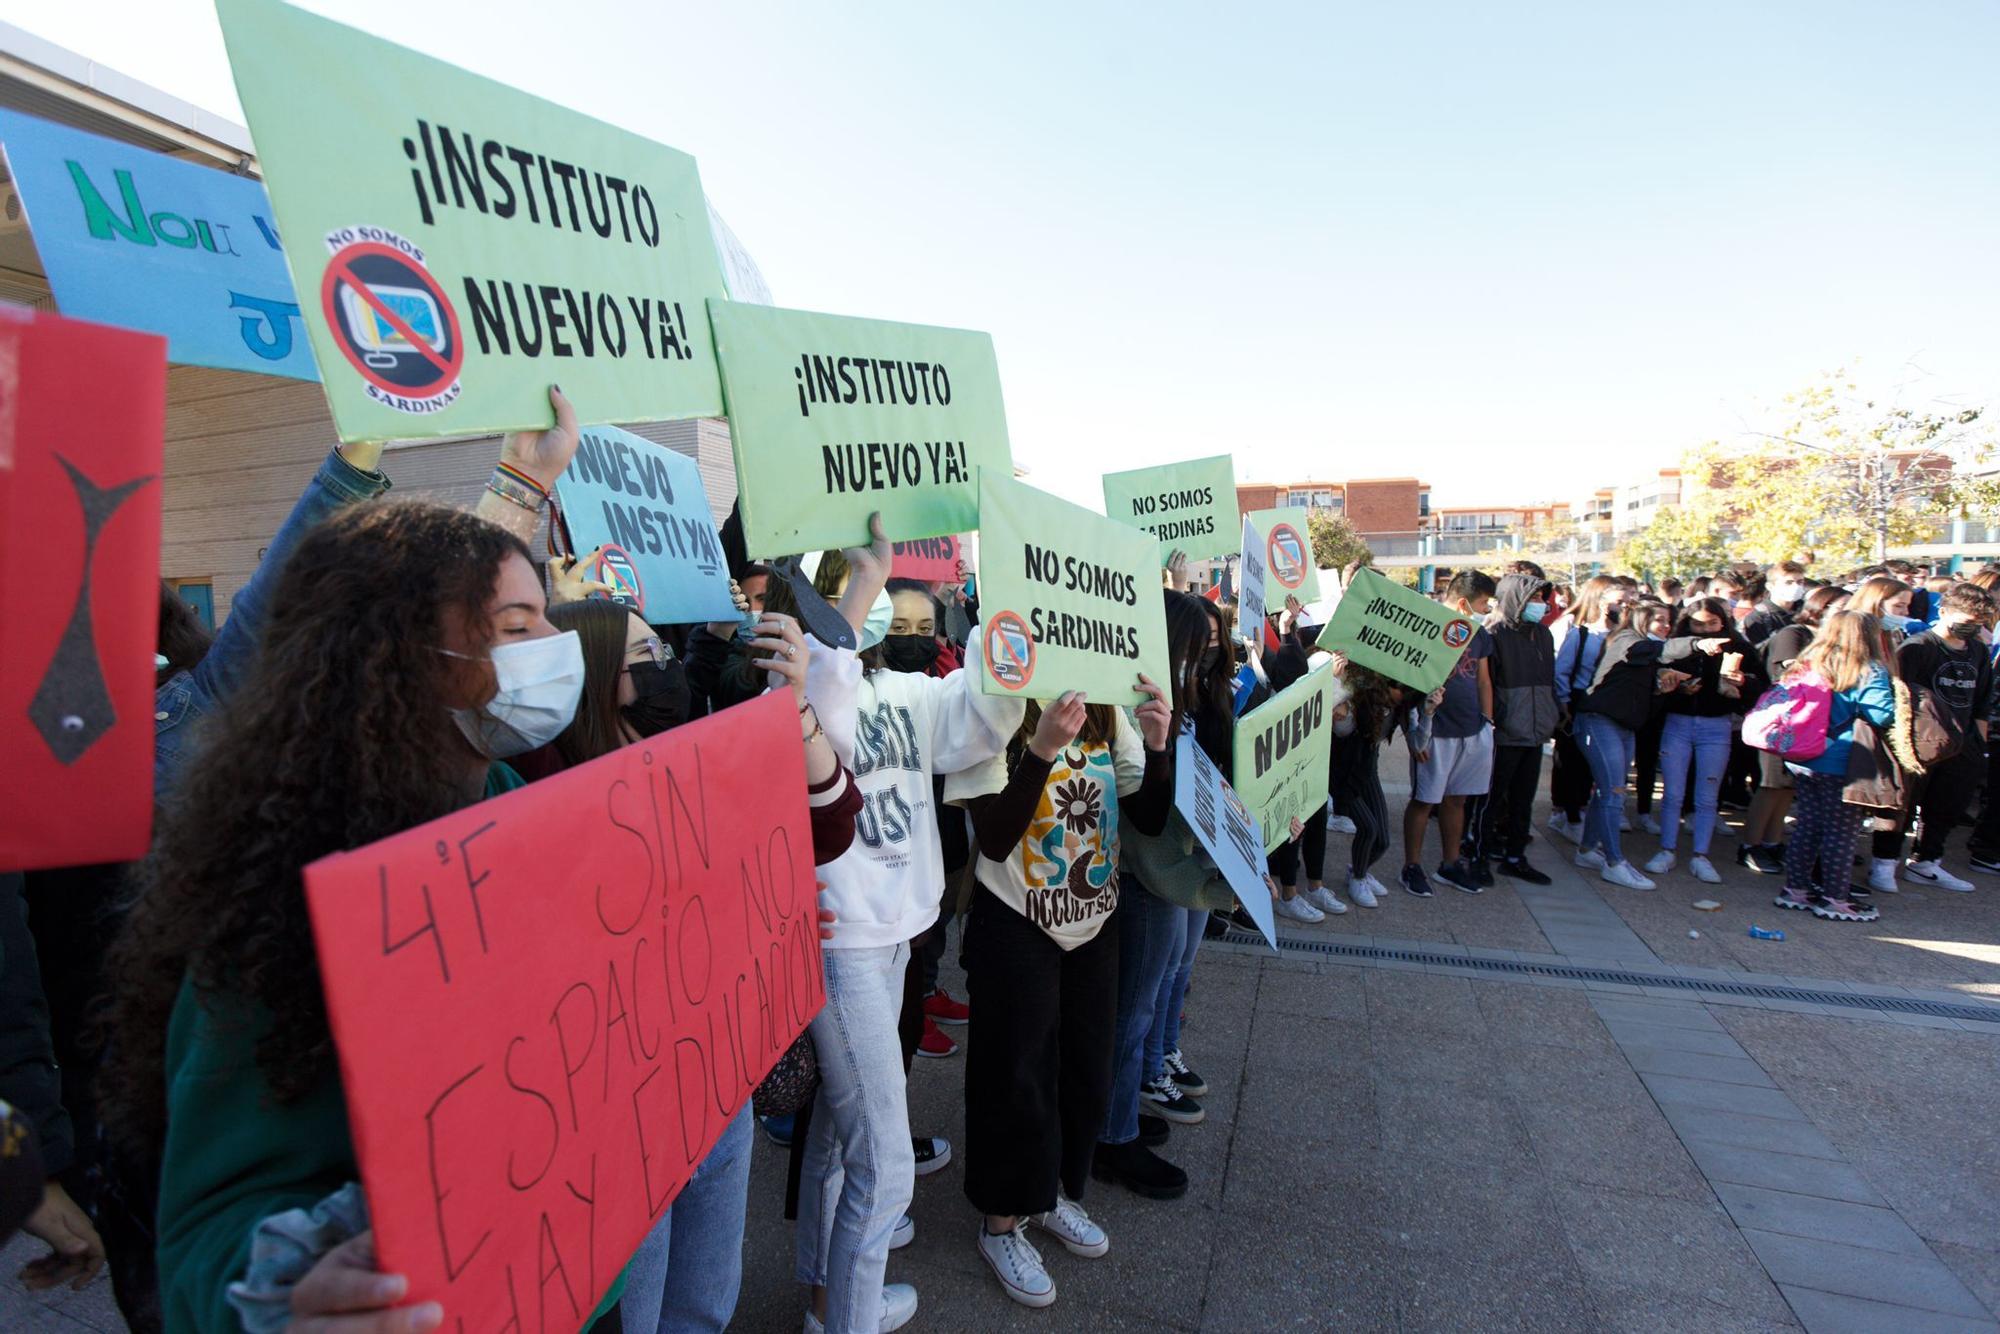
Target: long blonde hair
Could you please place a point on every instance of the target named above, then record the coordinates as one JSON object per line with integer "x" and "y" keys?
{"x": 1875, "y": 591}
{"x": 1589, "y": 607}
{"x": 1845, "y": 651}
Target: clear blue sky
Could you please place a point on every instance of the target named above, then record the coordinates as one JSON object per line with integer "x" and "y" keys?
{"x": 1518, "y": 250}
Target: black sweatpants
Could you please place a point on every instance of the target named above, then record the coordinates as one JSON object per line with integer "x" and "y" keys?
{"x": 1357, "y": 794}
{"x": 1569, "y": 776}
{"x": 1942, "y": 796}
{"x": 1284, "y": 859}
{"x": 1646, "y": 758}
{"x": 1510, "y": 802}
{"x": 1038, "y": 1058}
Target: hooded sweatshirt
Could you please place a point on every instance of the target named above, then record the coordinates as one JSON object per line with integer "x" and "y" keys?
{"x": 1523, "y": 667}
{"x": 897, "y": 731}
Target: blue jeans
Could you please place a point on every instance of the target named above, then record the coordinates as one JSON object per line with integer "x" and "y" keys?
{"x": 860, "y": 1169}
{"x": 1705, "y": 743}
{"x": 687, "y": 1272}
{"x": 1149, "y": 949}
{"x": 1166, "y": 1033}
{"x": 1607, "y": 749}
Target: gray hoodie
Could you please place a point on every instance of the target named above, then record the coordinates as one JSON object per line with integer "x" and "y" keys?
{"x": 1523, "y": 667}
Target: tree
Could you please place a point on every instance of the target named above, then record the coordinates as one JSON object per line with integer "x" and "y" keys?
{"x": 1681, "y": 543}
{"x": 1335, "y": 544}
{"x": 1844, "y": 476}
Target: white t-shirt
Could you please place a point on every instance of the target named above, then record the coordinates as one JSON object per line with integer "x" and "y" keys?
{"x": 1063, "y": 876}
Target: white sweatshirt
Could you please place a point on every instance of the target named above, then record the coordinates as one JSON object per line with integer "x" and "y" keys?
{"x": 896, "y": 730}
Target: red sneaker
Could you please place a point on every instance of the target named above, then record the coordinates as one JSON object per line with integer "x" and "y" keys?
{"x": 940, "y": 1006}
{"x": 934, "y": 1043}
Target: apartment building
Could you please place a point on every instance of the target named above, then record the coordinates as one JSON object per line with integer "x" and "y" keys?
{"x": 1373, "y": 505}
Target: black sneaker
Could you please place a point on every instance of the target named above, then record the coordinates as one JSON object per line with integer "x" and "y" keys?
{"x": 1170, "y": 1102}
{"x": 1216, "y": 927}
{"x": 1153, "y": 1130}
{"x": 1768, "y": 859}
{"x": 1986, "y": 863}
{"x": 1518, "y": 868}
{"x": 933, "y": 1153}
{"x": 1177, "y": 1070}
{"x": 1414, "y": 880}
{"x": 1139, "y": 1170}
{"x": 1459, "y": 876}
{"x": 1482, "y": 871}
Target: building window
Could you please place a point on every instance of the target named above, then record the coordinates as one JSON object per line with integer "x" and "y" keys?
{"x": 1423, "y": 504}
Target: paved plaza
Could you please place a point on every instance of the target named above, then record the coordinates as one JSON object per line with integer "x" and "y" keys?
{"x": 1534, "y": 1109}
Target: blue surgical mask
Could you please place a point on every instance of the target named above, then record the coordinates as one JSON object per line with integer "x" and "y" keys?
{"x": 1909, "y": 625}
{"x": 1534, "y": 611}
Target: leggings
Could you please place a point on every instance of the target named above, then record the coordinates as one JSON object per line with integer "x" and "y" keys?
{"x": 1284, "y": 859}
{"x": 1358, "y": 793}
{"x": 1821, "y": 850}
{"x": 1569, "y": 775}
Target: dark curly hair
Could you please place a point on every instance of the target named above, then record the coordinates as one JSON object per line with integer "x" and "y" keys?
{"x": 340, "y": 735}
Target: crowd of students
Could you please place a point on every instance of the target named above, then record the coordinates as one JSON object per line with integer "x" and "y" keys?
{"x": 392, "y": 661}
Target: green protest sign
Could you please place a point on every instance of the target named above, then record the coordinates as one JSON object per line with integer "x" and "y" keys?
{"x": 457, "y": 246}
{"x": 1288, "y": 557}
{"x": 833, "y": 418}
{"x": 1397, "y": 631}
{"x": 1068, "y": 599}
{"x": 1190, "y": 507}
{"x": 1283, "y": 752}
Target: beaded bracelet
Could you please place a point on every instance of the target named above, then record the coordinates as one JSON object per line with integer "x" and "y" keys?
{"x": 510, "y": 483}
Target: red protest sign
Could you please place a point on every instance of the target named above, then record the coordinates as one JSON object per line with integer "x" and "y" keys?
{"x": 82, "y": 417}
{"x": 548, "y": 1006}
{"x": 931, "y": 559}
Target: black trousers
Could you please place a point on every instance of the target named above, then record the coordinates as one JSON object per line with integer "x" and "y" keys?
{"x": 1038, "y": 1058}
{"x": 1284, "y": 859}
{"x": 1942, "y": 797}
{"x": 1985, "y": 839}
{"x": 1510, "y": 802}
{"x": 1646, "y": 757}
{"x": 1569, "y": 776}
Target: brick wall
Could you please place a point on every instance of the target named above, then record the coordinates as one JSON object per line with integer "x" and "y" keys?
{"x": 1383, "y": 506}
{"x": 1249, "y": 498}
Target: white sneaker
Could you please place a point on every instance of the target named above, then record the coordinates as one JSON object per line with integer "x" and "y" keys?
{"x": 1071, "y": 1226}
{"x": 1661, "y": 863}
{"x": 1340, "y": 824}
{"x": 1590, "y": 859}
{"x": 1362, "y": 891}
{"x": 1561, "y": 824}
{"x": 899, "y": 1307}
{"x": 1650, "y": 823}
{"x": 1018, "y": 1266}
{"x": 1624, "y": 823}
{"x": 1702, "y": 869}
{"x": 1882, "y": 876}
{"x": 1375, "y": 887}
{"x": 1326, "y": 900}
{"x": 1298, "y": 910}
{"x": 905, "y": 1233}
{"x": 1623, "y": 874}
{"x": 1933, "y": 873}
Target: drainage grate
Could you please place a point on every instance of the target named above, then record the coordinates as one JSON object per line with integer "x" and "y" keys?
{"x": 1762, "y": 991}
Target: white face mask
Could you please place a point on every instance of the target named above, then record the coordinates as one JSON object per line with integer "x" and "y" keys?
{"x": 540, "y": 682}
{"x": 875, "y": 627}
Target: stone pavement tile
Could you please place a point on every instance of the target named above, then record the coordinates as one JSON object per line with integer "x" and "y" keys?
{"x": 1334, "y": 993}
{"x": 59, "y": 1311}
{"x": 1560, "y": 1075}
{"x": 1532, "y": 1292}
{"x": 1483, "y": 1210}
{"x": 1631, "y": 1149}
{"x": 1923, "y": 1282}
{"x": 1836, "y": 1221}
{"x": 1687, "y": 1092}
{"x": 1544, "y": 1015}
{"x": 1648, "y": 1059}
{"x": 1294, "y": 1042}
{"x": 1422, "y": 1000}
{"x": 1664, "y": 1247}
{"x": 1824, "y": 1177}
{"x": 1418, "y": 1126}
{"x": 1286, "y": 1268}
{"x": 1626, "y": 1311}
{"x": 1709, "y": 1042}
{"x": 1291, "y": 1106}
{"x": 1941, "y": 1188}
{"x": 1663, "y": 1014}
{"x": 1832, "y": 1313}
{"x": 1750, "y": 1132}
{"x": 1976, "y": 1266}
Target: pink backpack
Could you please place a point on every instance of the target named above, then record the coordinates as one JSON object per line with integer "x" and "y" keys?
{"x": 1790, "y": 719}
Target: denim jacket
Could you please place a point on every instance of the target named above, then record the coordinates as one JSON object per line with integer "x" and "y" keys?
{"x": 191, "y": 695}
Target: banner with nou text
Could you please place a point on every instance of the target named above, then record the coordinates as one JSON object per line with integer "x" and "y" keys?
{"x": 1190, "y": 507}
{"x": 834, "y": 418}
{"x": 458, "y": 245}
{"x": 1283, "y": 752}
{"x": 1288, "y": 556}
{"x": 82, "y": 424}
{"x": 1397, "y": 631}
{"x": 549, "y": 1006}
{"x": 1068, "y": 599}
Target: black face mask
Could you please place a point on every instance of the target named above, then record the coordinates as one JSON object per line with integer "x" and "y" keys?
{"x": 663, "y": 700}
{"x": 1205, "y": 664}
{"x": 909, "y": 653}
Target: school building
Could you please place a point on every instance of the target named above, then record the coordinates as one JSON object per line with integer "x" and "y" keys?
{"x": 240, "y": 447}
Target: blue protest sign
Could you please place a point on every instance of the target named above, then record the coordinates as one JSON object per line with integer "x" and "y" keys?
{"x": 134, "y": 239}
{"x": 1228, "y": 832}
{"x": 646, "y": 500}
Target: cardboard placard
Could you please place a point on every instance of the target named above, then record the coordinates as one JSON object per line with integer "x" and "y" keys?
{"x": 930, "y": 559}
{"x": 1250, "y": 603}
{"x": 549, "y": 1006}
{"x": 82, "y": 420}
{"x": 1283, "y": 751}
{"x": 1288, "y": 556}
{"x": 1190, "y": 507}
{"x": 458, "y": 246}
{"x": 833, "y": 418}
{"x": 1398, "y": 632}
{"x": 1226, "y": 828}
{"x": 1068, "y": 599}
{"x": 623, "y": 490}
{"x": 138, "y": 240}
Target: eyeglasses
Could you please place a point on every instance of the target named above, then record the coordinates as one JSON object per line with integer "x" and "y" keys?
{"x": 656, "y": 652}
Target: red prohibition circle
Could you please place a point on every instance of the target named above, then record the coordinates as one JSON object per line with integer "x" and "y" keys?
{"x": 1013, "y": 671}
{"x": 339, "y": 274}
{"x": 1276, "y": 567}
{"x": 614, "y": 565}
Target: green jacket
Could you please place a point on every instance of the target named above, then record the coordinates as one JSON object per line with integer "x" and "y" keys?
{"x": 234, "y": 1157}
